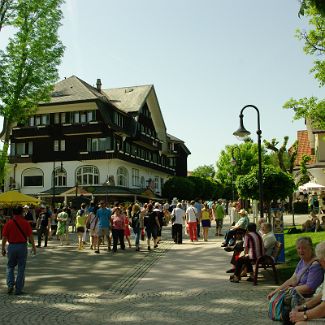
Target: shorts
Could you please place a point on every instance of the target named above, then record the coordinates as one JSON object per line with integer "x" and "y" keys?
{"x": 103, "y": 232}
{"x": 94, "y": 232}
{"x": 80, "y": 229}
{"x": 219, "y": 223}
{"x": 152, "y": 232}
{"x": 206, "y": 223}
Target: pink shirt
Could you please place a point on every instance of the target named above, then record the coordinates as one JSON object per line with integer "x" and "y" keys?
{"x": 118, "y": 221}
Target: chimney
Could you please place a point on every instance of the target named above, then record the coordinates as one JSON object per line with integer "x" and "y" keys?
{"x": 99, "y": 85}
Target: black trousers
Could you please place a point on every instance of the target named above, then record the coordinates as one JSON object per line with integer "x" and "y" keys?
{"x": 118, "y": 235}
{"x": 40, "y": 232}
{"x": 178, "y": 233}
{"x": 244, "y": 260}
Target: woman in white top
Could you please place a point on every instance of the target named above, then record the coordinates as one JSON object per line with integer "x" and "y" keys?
{"x": 191, "y": 220}
{"x": 178, "y": 214}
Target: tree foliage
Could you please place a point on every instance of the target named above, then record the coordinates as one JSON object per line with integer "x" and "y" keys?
{"x": 204, "y": 188}
{"x": 28, "y": 66}
{"x": 284, "y": 159}
{"x": 318, "y": 5}
{"x": 308, "y": 108}
{"x": 190, "y": 188}
{"x": 237, "y": 160}
{"x": 314, "y": 44}
{"x": 304, "y": 175}
{"x": 7, "y": 12}
{"x": 180, "y": 187}
{"x": 276, "y": 184}
{"x": 205, "y": 171}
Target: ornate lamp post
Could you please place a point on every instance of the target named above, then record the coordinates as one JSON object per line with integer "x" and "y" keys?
{"x": 242, "y": 133}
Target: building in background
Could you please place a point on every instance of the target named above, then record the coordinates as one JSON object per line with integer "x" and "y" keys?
{"x": 311, "y": 142}
{"x": 99, "y": 143}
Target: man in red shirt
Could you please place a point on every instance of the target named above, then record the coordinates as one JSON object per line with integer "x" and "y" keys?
{"x": 16, "y": 231}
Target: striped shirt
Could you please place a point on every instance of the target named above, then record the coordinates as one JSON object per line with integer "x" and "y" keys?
{"x": 254, "y": 245}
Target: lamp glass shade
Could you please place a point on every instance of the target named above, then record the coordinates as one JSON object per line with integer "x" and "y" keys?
{"x": 241, "y": 133}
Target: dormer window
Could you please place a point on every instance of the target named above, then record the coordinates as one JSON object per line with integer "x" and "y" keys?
{"x": 119, "y": 119}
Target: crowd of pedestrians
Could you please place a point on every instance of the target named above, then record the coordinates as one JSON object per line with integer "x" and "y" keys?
{"x": 108, "y": 227}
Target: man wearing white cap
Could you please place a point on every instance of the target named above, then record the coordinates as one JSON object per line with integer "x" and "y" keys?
{"x": 241, "y": 225}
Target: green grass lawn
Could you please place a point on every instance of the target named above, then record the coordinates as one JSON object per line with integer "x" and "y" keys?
{"x": 291, "y": 258}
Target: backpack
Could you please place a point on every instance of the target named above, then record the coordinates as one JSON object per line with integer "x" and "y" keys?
{"x": 135, "y": 221}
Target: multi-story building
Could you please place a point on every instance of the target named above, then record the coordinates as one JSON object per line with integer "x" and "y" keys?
{"x": 311, "y": 142}
{"x": 99, "y": 143}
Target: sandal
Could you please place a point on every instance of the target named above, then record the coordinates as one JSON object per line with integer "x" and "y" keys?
{"x": 234, "y": 279}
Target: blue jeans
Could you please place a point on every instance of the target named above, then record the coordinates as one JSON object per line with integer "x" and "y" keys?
{"x": 137, "y": 233}
{"x": 17, "y": 255}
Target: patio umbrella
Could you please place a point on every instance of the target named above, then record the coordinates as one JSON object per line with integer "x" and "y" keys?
{"x": 310, "y": 186}
{"x": 11, "y": 198}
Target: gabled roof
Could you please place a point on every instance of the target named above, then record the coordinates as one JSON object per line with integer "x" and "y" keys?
{"x": 73, "y": 89}
{"x": 128, "y": 99}
{"x": 174, "y": 139}
{"x": 304, "y": 147}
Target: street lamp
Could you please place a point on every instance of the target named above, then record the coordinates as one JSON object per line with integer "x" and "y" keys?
{"x": 233, "y": 162}
{"x": 243, "y": 133}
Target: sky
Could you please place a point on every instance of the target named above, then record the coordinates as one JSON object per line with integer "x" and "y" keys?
{"x": 206, "y": 59}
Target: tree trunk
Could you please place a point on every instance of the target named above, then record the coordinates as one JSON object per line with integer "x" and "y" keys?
{"x": 4, "y": 153}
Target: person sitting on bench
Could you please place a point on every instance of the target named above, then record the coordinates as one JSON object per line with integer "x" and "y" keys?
{"x": 240, "y": 226}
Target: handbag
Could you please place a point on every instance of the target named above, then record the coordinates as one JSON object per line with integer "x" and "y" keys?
{"x": 283, "y": 301}
{"x": 276, "y": 304}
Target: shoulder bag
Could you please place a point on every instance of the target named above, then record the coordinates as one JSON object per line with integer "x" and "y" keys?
{"x": 284, "y": 300}
{"x": 24, "y": 235}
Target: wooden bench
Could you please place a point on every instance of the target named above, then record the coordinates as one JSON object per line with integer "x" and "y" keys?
{"x": 267, "y": 262}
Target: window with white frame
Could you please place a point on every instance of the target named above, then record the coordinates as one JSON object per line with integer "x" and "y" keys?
{"x": 156, "y": 180}
{"x": 31, "y": 121}
{"x": 45, "y": 119}
{"x": 91, "y": 116}
{"x": 30, "y": 148}
{"x": 37, "y": 120}
{"x": 142, "y": 182}
{"x": 42, "y": 119}
{"x": 57, "y": 118}
{"x": 122, "y": 177}
{"x": 60, "y": 177}
{"x": 87, "y": 175}
{"x": 100, "y": 144}
{"x": 63, "y": 118}
{"x": 119, "y": 119}
{"x": 135, "y": 177}
{"x": 59, "y": 145}
{"x": 21, "y": 148}
{"x": 32, "y": 177}
{"x": 76, "y": 117}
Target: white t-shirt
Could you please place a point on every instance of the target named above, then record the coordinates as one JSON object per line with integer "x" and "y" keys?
{"x": 269, "y": 242}
{"x": 191, "y": 213}
{"x": 179, "y": 215}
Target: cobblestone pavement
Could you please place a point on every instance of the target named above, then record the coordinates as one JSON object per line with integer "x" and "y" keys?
{"x": 174, "y": 284}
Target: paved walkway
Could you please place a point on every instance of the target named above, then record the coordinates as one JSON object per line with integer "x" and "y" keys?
{"x": 175, "y": 284}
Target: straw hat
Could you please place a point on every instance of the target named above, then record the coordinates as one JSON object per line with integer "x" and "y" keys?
{"x": 242, "y": 211}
